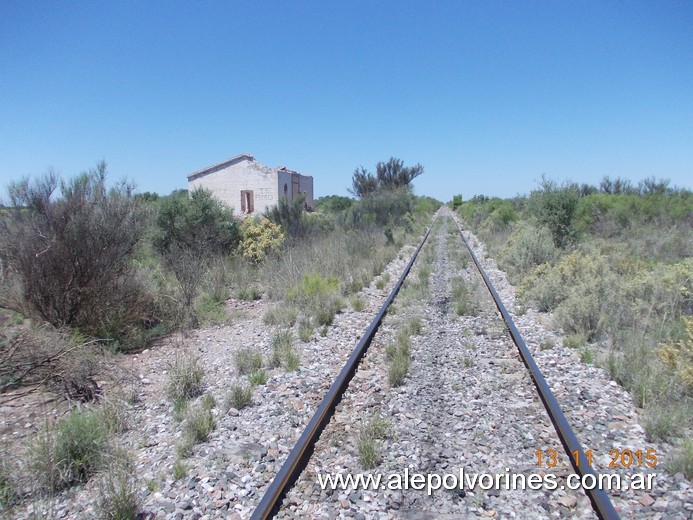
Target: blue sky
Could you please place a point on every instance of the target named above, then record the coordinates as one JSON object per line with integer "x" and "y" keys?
{"x": 486, "y": 95}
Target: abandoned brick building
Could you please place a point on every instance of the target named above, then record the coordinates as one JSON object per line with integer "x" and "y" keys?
{"x": 250, "y": 187}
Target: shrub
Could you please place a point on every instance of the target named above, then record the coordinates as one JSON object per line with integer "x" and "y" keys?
{"x": 398, "y": 369}
{"x": 367, "y": 440}
{"x": 282, "y": 314}
{"x": 68, "y": 452}
{"x": 260, "y": 238}
{"x": 290, "y": 215}
{"x": 185, "y": 377}
{"x": 195, "y": 222}
{"x": 257, "y": 378}
{"x": 179, "y": 469}
{"x": 119, "y": 497}
{"x": 554, "y": 206}
{"x": 68, "y": 259}
{"x": 317, "y": 296}
{"x": 190, "y": 231}
{"x": 357, "y": 304}
{"x": 527, "y": 247}
{"x": 305, "y": 330}
{"x": 239, "y": 397}
{"x": 681, "y": 460}
{"x": 199, "y": 423}
{"x": 248, "y": 360}
{"x": 8, "y": 490}
{"x": 211, "y": 310}
{"x": 44, "y": 356}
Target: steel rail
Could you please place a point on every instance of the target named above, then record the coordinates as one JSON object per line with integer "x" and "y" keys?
{"x": 600, "y": 500}
{"x": 299, "y": 455}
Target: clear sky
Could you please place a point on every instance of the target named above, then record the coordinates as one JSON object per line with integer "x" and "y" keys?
{"x": 486, "y": 95}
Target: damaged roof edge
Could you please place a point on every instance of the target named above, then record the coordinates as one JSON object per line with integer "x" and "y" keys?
{"x": 220, "y": 166}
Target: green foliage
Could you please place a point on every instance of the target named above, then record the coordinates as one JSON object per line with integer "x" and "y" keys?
{"x": 555, "y": 206}
{"x": 239, "y": 397}
{"x": 333, "y": 204}
{"x": 290, "y": 215}
{"x": 260, "y": 238}
{"x": 68, "y": 259}
{"x": 68, "y": 452}
{"x": 282, "y": 314}
{"x": 248, "y": 360}
{"x": 305, "y": 330}
{"x": 258, "y": 378}
{"x": 185, "y": 377}
{"x": 681, "y": 460}
{"x": 357, "y": 304}
{"x": 198, "y": 424}
{"x": 379, "y": 209}
{"x": 528, "y": 247}
{"x": 399, "y": 356}
{"x": 211, "y": 310}
{"x": 317, "y": 296}
{"x": 119, "y": 497}
{"x": 179, "y": 469}
{"x": 283, "y": 352}
{"x": 367, "y": 440}
{"x": 613, "y": 215}
{"x": 198, "y": 223}
{"x": 426, "y": 206}
{"x": 8, "y": 489}
{"x": 456, "y": 202}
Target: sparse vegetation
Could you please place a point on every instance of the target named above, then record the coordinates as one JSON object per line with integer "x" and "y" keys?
{"x": 69, "y": 451}
{"x": 399, "y": 355}
{"x": 185, "y": 377}
{"x": 248, "y": 360}
{"x": 368, "y": 439}
{"x": 612, "y": 264}
{"x": 258, "y": 378}
{"x": 119, "y": 497}
{"x": 283, "y": 352}
{"x": 239, "y": 397}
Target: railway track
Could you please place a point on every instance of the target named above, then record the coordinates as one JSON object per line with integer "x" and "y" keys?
{"x": 458, "y": 399}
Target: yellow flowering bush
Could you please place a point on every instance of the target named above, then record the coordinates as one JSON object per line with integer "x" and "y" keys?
{"x": 259, "y": 238}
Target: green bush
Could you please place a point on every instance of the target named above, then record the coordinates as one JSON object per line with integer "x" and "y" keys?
{"x": 555, "y": 206}
{"x": 8, "y": 489}
{"x": 185, "y": 377}
{"x": 196, "y": 222}
{"x": 283, "y": 352}
{"x": 239, "y": 397}
{"x": 199, "y": 423}
{"x": 119, "y": 497}
{"x": 527, "y": 247}
{"x": 248, "y": 360}
{"x": 68, "y": 452}
{"x": 257, "y": 378}
{"x": 317, "y": 296}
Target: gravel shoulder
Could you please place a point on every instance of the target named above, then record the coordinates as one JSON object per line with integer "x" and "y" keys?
{"x": 467, "y": 403}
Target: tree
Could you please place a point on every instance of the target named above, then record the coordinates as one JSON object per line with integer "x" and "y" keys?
{"x": 289, "y": 215}
{"x": 393, "y": 174}
{"x": 196, "y": 222}
{"x": 363, "y": 182}
{"x": 191, "y": 230}
{"x": 554, "y": 206}
{"x": 389, "y": 176}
